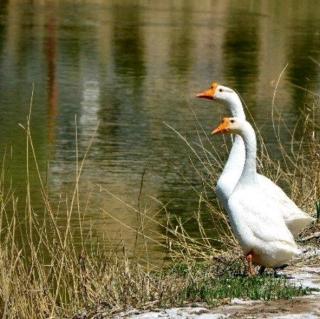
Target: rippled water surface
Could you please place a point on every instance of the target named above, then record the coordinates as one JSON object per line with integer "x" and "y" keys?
{"x": 125, "y": 72}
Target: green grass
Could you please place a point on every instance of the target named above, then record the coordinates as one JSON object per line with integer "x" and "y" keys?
{"x": 204, "y": 284}
{"x": 254, "y": 288}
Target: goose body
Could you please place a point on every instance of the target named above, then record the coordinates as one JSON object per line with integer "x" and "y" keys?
{"x": 255, "y": 217}
{"x": 295, "y": 219}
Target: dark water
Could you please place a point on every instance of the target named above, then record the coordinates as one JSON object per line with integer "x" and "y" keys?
{"x": 132, "y": 67}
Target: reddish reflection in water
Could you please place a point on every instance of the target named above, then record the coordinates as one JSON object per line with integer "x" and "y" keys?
{"x": 50, "y": 48}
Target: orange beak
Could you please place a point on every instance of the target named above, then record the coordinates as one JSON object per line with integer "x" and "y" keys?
{"x": 222, "y": 128}
{"x": 208, "y": 94}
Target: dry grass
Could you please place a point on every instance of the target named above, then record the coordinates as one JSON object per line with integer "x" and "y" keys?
{"x": 46, "y": 275}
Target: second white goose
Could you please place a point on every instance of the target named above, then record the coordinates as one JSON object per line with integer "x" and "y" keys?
{"x": 255, "y": 217}
{"x": 294, "y": 217}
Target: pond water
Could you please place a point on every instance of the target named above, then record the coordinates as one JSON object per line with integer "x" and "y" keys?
{"x": 125, "y": 71}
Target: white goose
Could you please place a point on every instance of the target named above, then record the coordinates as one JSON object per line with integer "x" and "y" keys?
{"x": 295, "y": 219}
{"x": 254, "y": 216}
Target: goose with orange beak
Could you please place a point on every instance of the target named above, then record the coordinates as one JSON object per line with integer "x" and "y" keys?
{"x": 254, "y": 216}
{"x": 294, "y": 217}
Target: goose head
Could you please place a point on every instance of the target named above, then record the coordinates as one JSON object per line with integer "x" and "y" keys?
{"x": 217, "y": 92}
{"x": 230, "y": 125}
{"x": 224, "y": 95}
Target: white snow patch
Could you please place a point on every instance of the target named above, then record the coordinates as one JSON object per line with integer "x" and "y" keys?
{"x": 296, "y": 316}
{"x": 307, "y": 277}
{"x": 308, "y": 252}
{"x": 237, "y": 301}
{"x": 176, "y": 313}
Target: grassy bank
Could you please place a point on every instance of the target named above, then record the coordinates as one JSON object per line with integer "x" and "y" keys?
{"x": 47, "y": 275}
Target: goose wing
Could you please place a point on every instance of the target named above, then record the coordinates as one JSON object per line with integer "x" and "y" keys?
{"x": 255, "y": 212}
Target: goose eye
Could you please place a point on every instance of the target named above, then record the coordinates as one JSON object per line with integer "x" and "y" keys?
{"x": 232, "y": 121}
{"x": 220, "y": 90}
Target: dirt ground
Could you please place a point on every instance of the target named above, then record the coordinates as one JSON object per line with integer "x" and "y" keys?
{"x": 302, "y": 307}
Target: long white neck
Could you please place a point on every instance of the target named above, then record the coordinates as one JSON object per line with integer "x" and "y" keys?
{"x": 234, "y": 165}
{"x": 236, "y": 157}
{"x": 235, "y": 106}
{"x": 249, "y": 173}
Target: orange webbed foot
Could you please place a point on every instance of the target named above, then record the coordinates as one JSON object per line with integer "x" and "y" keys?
{"x": 251, "y": 271}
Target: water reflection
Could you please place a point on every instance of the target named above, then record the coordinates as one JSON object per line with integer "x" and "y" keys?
{"x": 303, "y": 51}
{"x": 51, "y": 54}
{"x": 181, "y": 39}
{"x": 132, "y": 66}
{"x": 241, "y": 50}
